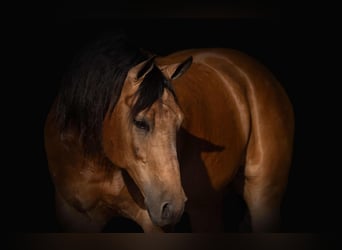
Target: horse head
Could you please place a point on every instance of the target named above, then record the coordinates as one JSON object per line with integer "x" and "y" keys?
{"x": 139, "y": 136}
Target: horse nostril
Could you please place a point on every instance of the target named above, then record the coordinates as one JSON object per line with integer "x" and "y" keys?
{"x": 166, "y": 210}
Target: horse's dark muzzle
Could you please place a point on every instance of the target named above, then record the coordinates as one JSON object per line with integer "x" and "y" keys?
{"x": 167, "y": 213}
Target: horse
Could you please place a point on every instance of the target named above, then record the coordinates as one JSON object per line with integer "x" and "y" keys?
{"x": 150, "y": 137}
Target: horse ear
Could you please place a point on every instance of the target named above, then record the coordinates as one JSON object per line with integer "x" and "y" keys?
{"x": 174, "y": 71}
{"x": 142, "y": 69}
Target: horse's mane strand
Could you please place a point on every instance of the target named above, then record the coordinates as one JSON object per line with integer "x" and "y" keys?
{"x": 150, "y": 90}
{"x": 93, "y": 83}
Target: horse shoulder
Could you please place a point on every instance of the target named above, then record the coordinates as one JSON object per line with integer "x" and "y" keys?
{"x": 213, "y": 99}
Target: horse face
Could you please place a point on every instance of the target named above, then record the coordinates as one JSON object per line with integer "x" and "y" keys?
{"x": 155, "y": 168}
{"x": 145, "y": 146}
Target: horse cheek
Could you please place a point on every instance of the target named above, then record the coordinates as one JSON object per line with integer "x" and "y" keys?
{"x": 114, "y": 142}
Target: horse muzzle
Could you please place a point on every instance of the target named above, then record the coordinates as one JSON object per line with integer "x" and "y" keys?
{"x": 167, "y": 211}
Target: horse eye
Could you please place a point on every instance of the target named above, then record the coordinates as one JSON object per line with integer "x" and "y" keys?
{"x": 141, "y": 124}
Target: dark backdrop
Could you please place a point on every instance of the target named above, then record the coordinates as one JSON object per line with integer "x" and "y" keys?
{"x": 291, "y": 42}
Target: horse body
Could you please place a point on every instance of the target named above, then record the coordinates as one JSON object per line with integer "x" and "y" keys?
{"x": 235, "y": 117}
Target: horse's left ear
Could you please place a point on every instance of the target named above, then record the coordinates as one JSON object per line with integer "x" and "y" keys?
{"x": 142, "y": 69}
{"x": 174, "y": 71}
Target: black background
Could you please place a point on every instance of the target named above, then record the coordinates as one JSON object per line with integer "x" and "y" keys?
{"x": 295, "y": 42}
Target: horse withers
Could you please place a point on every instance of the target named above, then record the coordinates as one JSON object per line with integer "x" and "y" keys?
{"x": 149, "y": 137}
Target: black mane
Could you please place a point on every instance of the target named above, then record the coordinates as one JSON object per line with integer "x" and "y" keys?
{"x": 92, "y": 86}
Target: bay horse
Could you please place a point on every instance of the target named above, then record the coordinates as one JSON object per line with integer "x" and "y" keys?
{"x": 148, "y": 137}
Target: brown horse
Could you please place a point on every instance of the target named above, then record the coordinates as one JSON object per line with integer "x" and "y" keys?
{"x": 149, "y": 137}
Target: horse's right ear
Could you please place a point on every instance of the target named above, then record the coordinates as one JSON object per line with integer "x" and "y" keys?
{"x": 142, "y": 69}
{"x": 175, "y": 70}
